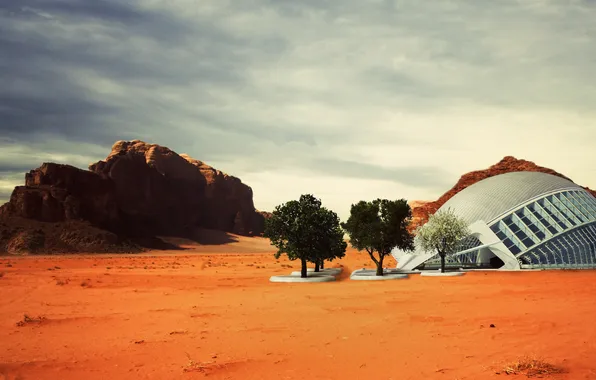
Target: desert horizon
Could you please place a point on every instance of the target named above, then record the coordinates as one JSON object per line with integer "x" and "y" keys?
{"x": 211, "y": 311}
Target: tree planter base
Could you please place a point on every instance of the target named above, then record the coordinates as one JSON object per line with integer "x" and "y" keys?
{"x": 312, "y": 274}
{"x": 326, "y": 272}
{"x": 290, "y": 278}
{"x": 374, "y": 271}
{"x": 439, "y": 274}
{"x": 361, "y": 275}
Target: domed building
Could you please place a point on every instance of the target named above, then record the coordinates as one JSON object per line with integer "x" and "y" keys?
{"x": 519, "y": 220}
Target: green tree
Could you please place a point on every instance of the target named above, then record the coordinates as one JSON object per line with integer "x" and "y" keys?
{"x": 443, "y": 231}
{"x": 305, "y": 231}
{"x": 329, "y": 243}
{"x": 380, "y": 226}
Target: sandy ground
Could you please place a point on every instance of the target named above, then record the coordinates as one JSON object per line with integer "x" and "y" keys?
{"x": 211, "y": 311}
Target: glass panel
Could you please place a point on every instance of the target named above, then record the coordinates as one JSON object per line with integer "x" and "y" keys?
{"x": 563, "y": 210}
{"x": 527, "y": 221}
{"x": 574, "y": 200}
{"x": 514, "y": 228}
{"x": 523, "y": 260}
{"x": 510, "y": 235}
{"x": 568, "y": 246}
{"x": 533, "y": 259}
{"x": 587, "y": 204}
{"x": 521, "y": 235}
{"x": 548, "y": 256}
{"x": 536, "y": 225}
{"x": 528, "y": 242}
{"x": 591, "y": 240}
{"x": 590, "y": 246}
{"x": 571, "y": 249}
{"x": 582, "y": 198}
{"x": 525, "y": 230}
{"x": 576, "y": 249}
{"x": 561, "y": 251}
{"x": 512, "y": 247}
{"x": 509, "y": 222}
{"x": 552, "y": 258}
{"x": 591, "y": 201}
{"x": 584, "y": 248}
{"x": 581, "y": 248}
{"x": 556, "y": 252}
{"x": 545, "y": 219}
{"x": 564, "y": 198}
{"x": 555, "y": 216}
{"x": 539, "y": 234}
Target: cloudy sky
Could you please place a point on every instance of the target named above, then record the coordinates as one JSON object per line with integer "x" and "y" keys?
{"x": 346, "y": 99}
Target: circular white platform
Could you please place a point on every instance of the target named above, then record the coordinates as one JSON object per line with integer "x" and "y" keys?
{"x": 324, "y": 272}
{"x": 374, "y": 271}
{"x": 311, "y": 274}
{"x": 290, "y": 278}
{"x": 371, "y": 276}
{"x": 439, "y": 274}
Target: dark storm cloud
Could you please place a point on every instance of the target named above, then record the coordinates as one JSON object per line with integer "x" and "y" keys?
{"x": 142, "y": 51}
{"x": 159, "y": 26}
{"x": 22, "y": 166}
{"x": 40, "y": 96}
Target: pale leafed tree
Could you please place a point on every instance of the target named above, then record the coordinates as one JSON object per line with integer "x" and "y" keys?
{"x": 441, "y": 234}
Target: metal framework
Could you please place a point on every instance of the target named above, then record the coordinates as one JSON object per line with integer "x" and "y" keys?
{"x": 539, "y": 220}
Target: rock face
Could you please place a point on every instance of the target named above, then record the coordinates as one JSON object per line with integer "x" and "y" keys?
{"x": 140, "y": 189}
{"x": 418, "y": 216}
{"x": 56, "y": 193}
{"x": 508, "y": 164}
{"x": 169, "y": 193}
{"x": 229, "y": 205}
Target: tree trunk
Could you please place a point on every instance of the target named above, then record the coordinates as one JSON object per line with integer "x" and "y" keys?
{"x": 322, "y": 264}
{"x": 317, "y": 266}
{"x": 378, "y": 263}
{"x": 380, "y": 266}
{"x": 442, "y": 262}
{"x": 303, "y": 269}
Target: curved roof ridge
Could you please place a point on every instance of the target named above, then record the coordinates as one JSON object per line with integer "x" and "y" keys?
{"x": 487, "y": 199}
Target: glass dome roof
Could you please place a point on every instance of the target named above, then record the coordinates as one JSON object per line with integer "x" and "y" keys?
{"x": 488, "y": 199}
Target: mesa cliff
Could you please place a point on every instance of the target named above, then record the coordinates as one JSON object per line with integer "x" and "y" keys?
{"x": 421, "y": 210}
{"x": 140, "y": 190}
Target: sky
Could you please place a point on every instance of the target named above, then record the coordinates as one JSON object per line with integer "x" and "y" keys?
{"x": 343, "y": 99}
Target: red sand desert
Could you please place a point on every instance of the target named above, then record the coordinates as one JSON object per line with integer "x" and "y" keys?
{"x": 211, "y": 311}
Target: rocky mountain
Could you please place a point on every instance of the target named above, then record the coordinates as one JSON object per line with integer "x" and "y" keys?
{"x": 140, "y": 190}
{"x": 421, "y": 210}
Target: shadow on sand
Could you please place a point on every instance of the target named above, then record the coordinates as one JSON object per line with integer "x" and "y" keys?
{"x": 197, "y": 237}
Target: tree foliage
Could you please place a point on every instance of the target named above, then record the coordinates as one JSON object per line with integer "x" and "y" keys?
{"x": 304, "y": 230}
{"x": 380, "y": 226}
{"x": 443, "y": 231}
